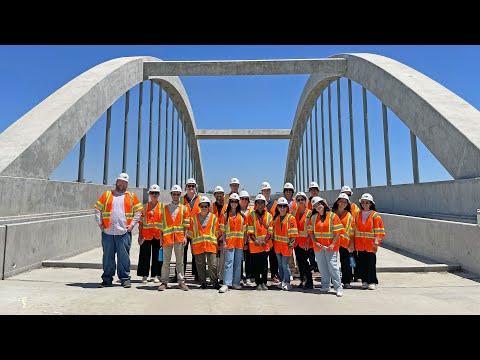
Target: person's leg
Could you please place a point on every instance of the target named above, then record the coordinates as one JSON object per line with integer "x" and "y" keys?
{"x": 167, "y": 256}
{"x": 201, "y": 267}
{"x": 312, "y": 260}
{"x": 108, "y": 259}
{"x": 228, "y": 271}
{"x": 291, "y": 264}
{"x": 371, "y": 268}
{"x": 264, "y": 257}
{"x": 221, "y": 263}
{"x": 284, "y": 262}
{"x": 237, "y": 266}
{"x": 178, "y": 248}
{"x": 345, "y": 263}
{"x": 143, "y": 258}
{"x": 323, "y": 267}
{"x": 303, "y": 262}
{"x": 362, "y": 266}
{"x": 256, "y": 266}
{"x": 212, "y": 268}
{"x": 333, "y": 270}
{"x": 156, "y": 263}
{"x": 248, "y": 264}
{"x": 123, "y": 243}
{"x": 297, "y": 250}
{"x": 272, "y": 257}
{"x": 281, "y": 272}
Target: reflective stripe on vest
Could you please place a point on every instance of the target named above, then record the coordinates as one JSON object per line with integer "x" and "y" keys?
{"x": 325, "y": 235}
{"x": 209, "y": 237}
{"x": 254, "y": 227}
{"x": 368, "y": 234}
{"x": 305, "y": 217}
{"x": 173, "y": 228}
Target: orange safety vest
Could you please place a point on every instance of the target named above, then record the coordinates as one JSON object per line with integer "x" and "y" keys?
{"x": 282, "y": 231}
{"x": 294, "y": 206}
{"x": 204, "y": 239}
{"x": 365, "y": 234}
{"x": 234, "y": 230}
{"x": 150, "y": 223}
{"x": 222, "y": 210}
{"x": 191, "y": 211}
{"x": 104, "y": 205}
{"x": 325, "y": 231}
{"x": 260, "y": 231}
{"x": 302, "y": 226}
{"x": 355, "y": 209}
{"x": 174, "y": 230}
{"x": 348, "y": 222}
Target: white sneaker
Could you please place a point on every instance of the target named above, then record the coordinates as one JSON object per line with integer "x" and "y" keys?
{"x": 223, "y": 289}
{"x": 144, "y": 279}
{"x": 156, "y": 280}
{"x": 291, "y": 278}
{"x": 280, "y": 285}
{"x": 249, "y": 282}
{"x": 286, "y": 287}
{"x": 339, "y": 293}
{"x": 365, "y": 285}
{"x": 372, "y": 286}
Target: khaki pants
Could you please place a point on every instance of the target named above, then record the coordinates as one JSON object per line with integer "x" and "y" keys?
{"x": 221, "y": 262}
{"x": 167, "y": 256}
{"x": 201, "y": 261}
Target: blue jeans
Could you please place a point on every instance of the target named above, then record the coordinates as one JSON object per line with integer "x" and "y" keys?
{"x": 328, "y": 265}
{"x": 119, "y": 244}
{"x": 233, "y": 263}
{"x": 283, "y": 268}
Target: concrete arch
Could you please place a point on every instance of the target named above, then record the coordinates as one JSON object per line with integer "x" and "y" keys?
{"x": 35, "y": 144}
{"x": 445, "y": 123}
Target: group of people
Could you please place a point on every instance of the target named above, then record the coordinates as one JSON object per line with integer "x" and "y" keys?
{"x": 228, "y": 233}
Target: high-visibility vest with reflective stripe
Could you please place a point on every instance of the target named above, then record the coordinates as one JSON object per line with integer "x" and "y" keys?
{"x": 149, "y": 221}
{"x": 272, "y": 209}
{"x": 174, "y": 229}
{"x": 222, "y": 210}
{"x": 104, "y": 205}
{"x": 191, "y": 211}
{"x": 234, "y": 230}
{"x": 247, "y": 211}
{"x": 204, "y": 239}
{"x": 365, "y": 234}
{"x": 294, "y": 206}
{"x": 282, "y": 232}
{"x": 348, "y": 222}
{"x": 302, "y": 226}
{"x": 325, "y": 231}
{"x": 354, "y": 209}
{"x": 260, "y": 232}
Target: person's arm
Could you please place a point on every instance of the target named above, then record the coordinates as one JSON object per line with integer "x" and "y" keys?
{"x": 135, "y": 219}
{"x": 334, "y": 242}
{"x": 98, "y": 219}
{"x": 140, "y": 237}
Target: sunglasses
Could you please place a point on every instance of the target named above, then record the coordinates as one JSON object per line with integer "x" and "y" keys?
{"x": 301, "y": 199}
{"x": 282, "y": 206}
{"x": 233, "y": 202}
{"x": 288, "y": 190}
{"x": 204, "y": 206}
{"x": 154, "y": 193}
{"x": 365, "y": 202}
{"x": 191, "y": 186}
{"x": 245, "y": 199}
{"x": 176, "y": 194}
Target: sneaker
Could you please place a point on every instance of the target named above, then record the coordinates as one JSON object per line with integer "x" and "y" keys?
{"x": 237, "y": 286}
{"x": 372, "y": 286}
{"x": 183, "y": 286}
{"x": 291, "y": 278}
{"x": 217, "y": 286}
{"x": 204, "y": 285}
{"x": 280, "y": 285}
{"x": 286, "y": 287}
{"x": 339, "y": 293}
{"x": 223, "y": 289}
{"x": 365, "y": 285}
{"x": 301, "y": 285}
{"x": 162, "y": 287}
{"x": 259, "y": 287}
{"x": 144, "y": 280}
{"x": 308, "y": 286}
{"x": 156, "y": 280}
{"x": 126, "y": 284}
{"x": 249, "y": 282}
{"x": 275, "y": 279}
{"x": 104, "y": 284}
{"x": 347, "y": 286}
{"x": 264, "y": 287}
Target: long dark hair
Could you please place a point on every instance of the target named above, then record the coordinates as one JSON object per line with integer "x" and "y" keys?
{"x": 326, "y": 209}
{"x": 347, "y": 208}
{"x": 229, "y": 207}
{"x": 372, "y": 206}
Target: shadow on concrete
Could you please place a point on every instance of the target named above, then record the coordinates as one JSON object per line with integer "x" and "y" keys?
{"x": 90, "y": 285}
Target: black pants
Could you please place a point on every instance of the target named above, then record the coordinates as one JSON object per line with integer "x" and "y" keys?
{"x": 194, "y": 267}
{"x": 356, "y": 272}
{"x": 259, "y": 266}
{"x": 149, "y": 249}
{"x": 272, "y": 257}
{"x": 248, "y": 264}
{"x": 347, "y": 271}
{"x": 367, "y": 267}
{"x": 303, "y": 265}
{"x": 312, "y": 260}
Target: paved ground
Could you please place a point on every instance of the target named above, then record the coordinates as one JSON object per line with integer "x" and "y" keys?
{"x": 74, "y": 291}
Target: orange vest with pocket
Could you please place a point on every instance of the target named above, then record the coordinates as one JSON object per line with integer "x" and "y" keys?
{"x": 150, "y": 222}
{"x": 325, "y": 231}
{"x": 104, "y": 205}
{"x": 174, "y": 229}
{"x": 365, "y": 234}
{"x": 282, "y": 232}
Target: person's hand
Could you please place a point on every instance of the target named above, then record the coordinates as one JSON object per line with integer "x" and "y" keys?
{"x": 101, "y": 226}
{"x": 245, "y": 247}
{"x": 317, "y": 244}
{"x": 256, "y": 242}
{"x": 330, "y": 247}
{"x": 140, "y": 240}
{"x": 129, "y": 228}
{"x": 351, "y": 248}
{"x": 375, "y": 248}
{"x": 184, "y": 241}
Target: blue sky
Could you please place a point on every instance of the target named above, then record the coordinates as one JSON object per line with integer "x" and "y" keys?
{"x": 29, "y": 74}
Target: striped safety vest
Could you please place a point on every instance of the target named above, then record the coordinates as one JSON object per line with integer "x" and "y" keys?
{"x": 174, "y": 229}
{"x": 282, "y": 232}
{"x": 260, "y": 231}
{"x": 302, "y": 226}
{"x": 104, "y": 205}
{"x": 365, "y": 234}
{"x": 324, "y": 232}
{"x": 204, "y": 239}
{"x": 149, "y": 223}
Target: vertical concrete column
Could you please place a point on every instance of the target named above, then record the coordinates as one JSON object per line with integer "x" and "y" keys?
{"x": 181, "y": 146}
{"x": 316, "y": 141}
{"x": 386, "y": 145}
{"x": 367, "y": 143}
{"x": 139, "y": 133}
{"x": 176, "y": 152}
{"x": 125, "y": 131}
{"x": 172, "y": 145}
{"x": 352, "y": 137}
{"x": 159, "y": 133}
{"x": 107, "y": 146}
{"x": 306, "y": 150}
{"x": 81, "y": 159}
{"x": 302, "y": 175}
{"x": 330, "y": 130}
{"x": 340, "y": 142}
{"x": 166, "y": 141}
{"x": 413, "y": 143}
{"x": 311, "y": 145}
{"x": 150, "y": 127}
{"x": 323, "y": 147}
{"x": 186, "y": 154}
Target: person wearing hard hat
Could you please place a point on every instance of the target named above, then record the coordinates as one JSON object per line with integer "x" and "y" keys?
{"x": 324, "y": 230}
{"x": 116, "y": 213}
{"x": 302, "y": 215}
{"x": 342, "y": 208}
{"x": 149, "y": 237}
{"x": 313, "y": 190}
{"x": 288, "y": 191}
{"x": 284, "y": 235}
{"x": 204, "y": 231}
{"x": 369, "y": 233}
{"x": 246, "y": 209}
{"x": 270, "y": 206}
{"x": 260, "y": 232}
{"x": 234, "y": 186}
{"x": 218, "y": 208}
{"x": 174, "y": 225}
{"x": 233, "y": 227}
{"x": 354, "y": 210}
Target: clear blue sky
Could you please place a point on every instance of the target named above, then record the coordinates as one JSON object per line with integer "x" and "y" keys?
{"x": 29, "y": 74}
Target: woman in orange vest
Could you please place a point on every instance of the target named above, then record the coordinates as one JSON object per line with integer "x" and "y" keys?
{"x": 204, "y": 231}
{"x": 342, "y": 208}
{"x": 354, "y": 209}
{"x": 369, "y": 233}
{"x": 149, "y": 237}
{"x": 284, "y": 235}
{"x": 301, "y": 246}
{"x": 324, "y": 229}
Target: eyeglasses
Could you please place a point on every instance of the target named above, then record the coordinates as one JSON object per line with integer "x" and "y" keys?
{"x": 314, "y": 189}
{"x": 233, "y": 202}
{"x": 365, "y": 202}
{"x": 204, "y": 206}
{"x": 191, "y": 186}
{"x": 301, "y": 199}
{"x": 176, "y": 194}
{"x": 282, "y": 206}
{"x": 285, "y": 190}
{"x": 219, "y": 194}
{"x": 155, "y": 193}
{"x": 245, "y": 199}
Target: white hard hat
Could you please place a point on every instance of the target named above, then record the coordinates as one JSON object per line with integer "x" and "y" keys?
{"x": 343, "y": 196}
{"x": 218, "y": 189}
{"x": 346, "y": 188}
{"x": 313, "y": 184}
{"x": 367, "y": 196}
{"x": 316, "y": 199}
{"x": 244, "y": 193}
{"x": 205, "y": 199}
{"x": 176, "y": 188}
{"x": 282, "y": 201}
{"x": 234, "y": 181}
{"x": 260, "y": 197}
{"x": 300, "y": 193}
{"x": 288, "y": 186}
{"x": 154, "y": 187}
{"x": 191, "y": 181}
{"x": 234, "y": 197}
{"x": 123, "y": 176}
{"x": 265, "y": 185}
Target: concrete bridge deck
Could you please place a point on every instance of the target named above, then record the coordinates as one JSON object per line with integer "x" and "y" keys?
{"x": 73, "y": 290}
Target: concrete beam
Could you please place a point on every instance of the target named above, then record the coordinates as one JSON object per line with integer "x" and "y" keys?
{"x": 256, "y": 134}
{"x": 152, "y": 69}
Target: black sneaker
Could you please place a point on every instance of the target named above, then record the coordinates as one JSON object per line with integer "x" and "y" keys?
{"x": 308, "y": 286}
{"x": 104, "y": 284}
{"x": 203, "y": 286}
{"x": 126, "y": 284}
{"x": 217, "y": 286}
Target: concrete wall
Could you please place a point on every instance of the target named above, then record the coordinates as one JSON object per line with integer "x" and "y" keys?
{"x": 2, "y": 246}
{"x": 443, "y": 241}
{"x": 456, "y": 200}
